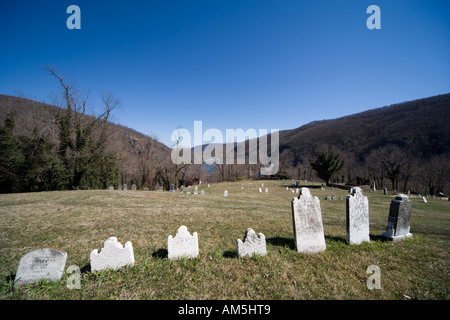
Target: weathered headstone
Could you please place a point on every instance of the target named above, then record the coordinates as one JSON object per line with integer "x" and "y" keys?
{"x": 181, "y": 189}
{"x": 119, "y": 187}
{"x": 267, "y": 190}
{"x": 46, "y": 263}
{"x": 182, "y": 245}
{"x": 251, "y": 244}
{"x": 133, "y": 187}
{"x": 202, "y": 192}
{"x": 125, "y": 187}
{"x": 225, "y": 193}
{"x": 112, "y": 256}
{"x": 260, "y": 190}
{"x": 374, "y": 187}
{"x": 188, "y": 190}
{"x": 307, "y": 221}
{"x": 146, "y": 189}
{"x": 357, "y": 217}
{"x": 399, "y": 219}
{"x": 424, "y": 200}
{"x": 172, "y": 188}
{"x": 385, "y": 191}
{"x": 196, "y": 190}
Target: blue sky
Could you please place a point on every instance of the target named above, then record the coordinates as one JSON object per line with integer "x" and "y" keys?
{"x": 258, "y": 64}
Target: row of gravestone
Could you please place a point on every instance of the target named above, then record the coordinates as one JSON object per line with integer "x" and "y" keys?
{"x": 309, "y": 237}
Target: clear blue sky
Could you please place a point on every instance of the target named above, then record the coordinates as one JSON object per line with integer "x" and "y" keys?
{"x": 274, "y": 64}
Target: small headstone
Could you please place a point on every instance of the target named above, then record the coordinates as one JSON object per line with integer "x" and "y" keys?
{"x": 46, "y": 263}
{"x": 307, "y": 220}
{"x": 399, "y": 219}
{"x": 267, "y": 190}
{"x": 111, "y": 188}
{"x": 133, "y": 187}
{"x": 287, "y": 188}
{"x": 262, "y": 184}
{"x": 251, "y": 244}
{"x": 357, "y": 217}
{"x": 125, "y": 187}
{"x": 146, "y": 189}
{"x": 424, "y": 200}
{"x": 202, "y": 192}
{"x": 112, "y": 256}
{"x": 188, "y": 190}
{"x": 374, "y": 187}
{"x": 181, "y": 189}
{"x": 209, "y": 185}
{"x": 196, "y": 190}
{"x": 260, "y": 190}
{"x": 172, "y": 188}
{"x": 296, "y": 190}
{"x": 119, "y": 187}
{"x": 385, "y": 191}
{"x": 225, "y": 193}
{"x": 182, "y": 245}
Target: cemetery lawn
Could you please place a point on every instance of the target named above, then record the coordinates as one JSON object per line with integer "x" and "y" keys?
{"x": 79, "y": 221}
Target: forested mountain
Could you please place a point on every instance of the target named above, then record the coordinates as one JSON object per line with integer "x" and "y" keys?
{"x": 405, "y": 146}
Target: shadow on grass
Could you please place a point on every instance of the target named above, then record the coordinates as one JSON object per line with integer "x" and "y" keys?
{"x": 282, "y": 242}
{"x": 336, "y": 239}
{"x": 161, "y": 253}
{"x": 230, "y": 254}
{"x": 378, "y": 237}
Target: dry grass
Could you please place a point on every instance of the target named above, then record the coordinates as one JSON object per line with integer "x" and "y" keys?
{"x": 80, "y": 221}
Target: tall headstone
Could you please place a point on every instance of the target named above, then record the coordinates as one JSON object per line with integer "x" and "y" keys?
{"x": 374, "y": 187}
{"x": 125, "y": 187}
{"x": 399, "y": 219}
{"x": 172, "y": 188}
{"x": 251, "y": 244}
{"x": 112, "y": 256}
{"x": 357, "y": 217}
{"x": 46, "y": 263}
{"x": 225, "y": 193}
{"x": 188, "y": 190}
{"x": 260, "y": 190}
{"x": 385, "y": 191}
{"x": 307, "y": 221}
{"x": 196, "y": 190}
{"x": 202, "y": 192}
{"x": 181, "y": 189}
{"x": 182, "y": 245}
{"x": 424, "y": 200}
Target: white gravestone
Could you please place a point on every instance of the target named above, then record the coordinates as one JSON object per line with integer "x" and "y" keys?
{"x": 357, "y": 217}
{"x": 196, "y": 190}
{"x": 399, "y": 219}
{"x": 46, "y": 263}
{"x": 182, "y": 245}
{"x": 307, "y": 221}
{"x": 251, "y": 244}
{"x": 225, "y": 193}
{"x": 112, "y": 256}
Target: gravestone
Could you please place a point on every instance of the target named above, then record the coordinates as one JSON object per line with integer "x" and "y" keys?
{"x": 251, "y": 244}
{"x": 188, "y": 190}
{"x": 225, "y": 193}
{"x": 424, "y": 200}
{"x": 307, "y": 221}
{"x": 172, "y": 188}
{"x": 385, "y": 191}
{"x": 296, "y": 190}
{"x": 357, "y": 217}
{"x": 399, "y": 219}
{"x": 119, "y": 187}
{"x": 202, "y": 192}
{"x": 46, "y": 263}
{"x": 260, "y": 190}
{"x": 196, "y": 190}
{"x": 182, "y": 245}
{"x": 111, "y": 188}
{"x": 181, "y": 189}
{"x": 112, "y": 256}
{"x": 125, "y": 187}
{"x": 209, "y": 186}
{"x": 133, "y": 187}
{"x": 374, "y": 187}
{"x": 146, "y": 189}
{"x": 267, "y": 190}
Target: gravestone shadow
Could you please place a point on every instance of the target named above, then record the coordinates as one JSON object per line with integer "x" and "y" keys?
{"x": 282, "y": 242}
{"x": 336, "y": 239}
{"x": 378, "y": 237}
{"x": 161, "y": 253}
{"x": 230, "y": 254}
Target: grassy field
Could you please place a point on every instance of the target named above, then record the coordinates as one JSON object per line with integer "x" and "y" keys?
{"x": 80, "y": 221}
